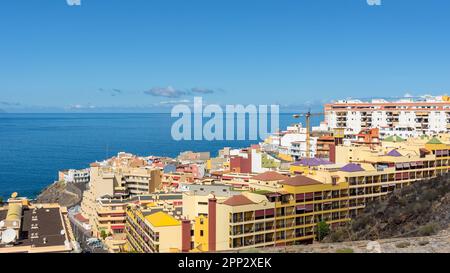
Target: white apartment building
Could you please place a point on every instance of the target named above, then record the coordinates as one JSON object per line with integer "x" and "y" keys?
{"x": 75, "y": 176}
{"x": 405, "y": 117}
{"x": 291, "y": 142}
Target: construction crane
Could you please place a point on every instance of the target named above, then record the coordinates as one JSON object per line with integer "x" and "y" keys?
{"x": 307, "y": 116}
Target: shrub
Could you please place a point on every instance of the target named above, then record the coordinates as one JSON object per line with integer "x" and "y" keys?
{"x": 323, "y": 229}
{"x": 103, "y": 234}
{"x": 345, "y": 250}
{"x": 402, "y": 244}
{"x": 428, "y": 229}
{"x": 337, "y": 235}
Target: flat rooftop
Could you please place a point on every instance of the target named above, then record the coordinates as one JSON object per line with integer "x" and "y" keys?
{"x": 49, "y": 226}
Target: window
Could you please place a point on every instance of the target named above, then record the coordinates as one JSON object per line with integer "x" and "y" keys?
{"x": 201, "y": 233}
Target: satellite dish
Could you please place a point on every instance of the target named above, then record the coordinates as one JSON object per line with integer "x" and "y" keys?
{"x": 8, "y": 236}
{"x": 14, "y": 195}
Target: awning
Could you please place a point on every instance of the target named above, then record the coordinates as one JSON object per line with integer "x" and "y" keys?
{"x": 259, "y": 213}
{"x": 270, "y": 212}
{"x": 405, "y": 165}
{"x": 419, "y": 163}
{"x": 300, "y": 207}
{"x": 309, "y": 195}
{"x": 413, "y": 164}
{"x": 273, "y": 195}
{"x": 117, "y": 227}
{"x": 399, "y": 165}
{"x": 300, "y": 196}
{"x": 439, "y": 152}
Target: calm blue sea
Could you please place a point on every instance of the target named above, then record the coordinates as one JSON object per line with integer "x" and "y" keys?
{"x": 33, "y": 147}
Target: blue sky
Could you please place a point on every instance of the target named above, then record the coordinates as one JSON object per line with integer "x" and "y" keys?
{"x": 111, "y": 55}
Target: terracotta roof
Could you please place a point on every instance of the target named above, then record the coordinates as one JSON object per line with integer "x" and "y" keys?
{"x": 269, "y": 176}
{"x": 238, "y": 200}
{"x": 300, "y": 180}
{"x": 80, "y": 218}
{"x": 326, "y": 138}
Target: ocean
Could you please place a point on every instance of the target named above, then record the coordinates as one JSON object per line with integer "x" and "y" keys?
{"x": 33, "y": 147}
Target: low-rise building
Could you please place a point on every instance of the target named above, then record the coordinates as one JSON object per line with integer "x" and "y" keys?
{"x": 34, "y": 228}
{"x": 74, "y": 176}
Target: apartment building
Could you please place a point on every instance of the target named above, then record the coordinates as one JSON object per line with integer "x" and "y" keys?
{"x": 74, "y": 176}
{"x": 34, "y": 228}
{"x": 375, "y": 173}
{"x": 154, "y": 231}
{"x": 108, "y": 217}
{"x": 330, "y": 192}
{"x": 196, "y": 196}
{"x": 292, "y": 142}
{"x": 405, "y": 117}
{"x": 271, "y": 218}
{"x": 115, "y": 181}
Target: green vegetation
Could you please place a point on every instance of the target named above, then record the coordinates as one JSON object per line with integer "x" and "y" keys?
{"x": 323, "y": 229}
{"x": 103, "y": 234}
{"x": 267, "y": 162}
{"x": 429, "y": 229}
{"x": 345, "y": 250}
{"x": 338, "y": 236}
{"x": 262, "y": 192}
{"x": 434, "y": 140}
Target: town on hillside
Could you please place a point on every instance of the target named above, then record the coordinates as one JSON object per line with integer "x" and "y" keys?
{"x": 277, "y": 193}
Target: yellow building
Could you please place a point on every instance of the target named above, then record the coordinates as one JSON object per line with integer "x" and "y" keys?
{"x": 282, "y": 210}
{"x": 274, "y": 218}
{"x": 153, "y": 232}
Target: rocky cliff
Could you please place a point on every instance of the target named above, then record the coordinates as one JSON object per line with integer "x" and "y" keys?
{"x": 65, "y": 194}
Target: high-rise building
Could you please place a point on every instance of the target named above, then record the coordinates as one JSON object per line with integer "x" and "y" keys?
{"x": 406, "y": 117}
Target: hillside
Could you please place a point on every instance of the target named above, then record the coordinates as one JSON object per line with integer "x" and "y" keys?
{"x": 66, "y": 195}
{"x": 439, "y": 243}
{"x": 421, "y": 209}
